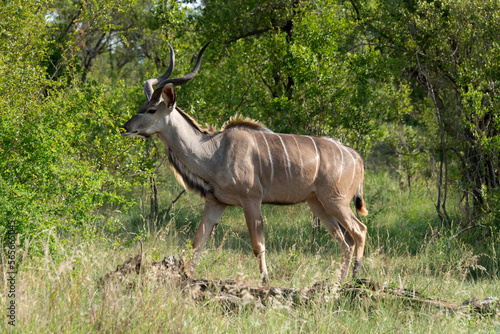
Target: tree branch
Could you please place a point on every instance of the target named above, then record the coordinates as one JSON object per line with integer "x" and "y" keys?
{"x": 262, "y": 78}
{"x": 462, "y": 231}
{"x": 175, "y": 200}
{"x": 358, "y": 17}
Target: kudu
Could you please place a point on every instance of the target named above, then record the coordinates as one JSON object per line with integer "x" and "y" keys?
{"x": 245, "y": 164}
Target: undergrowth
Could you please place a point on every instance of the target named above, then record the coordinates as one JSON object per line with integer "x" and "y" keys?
{"x": 407, "y": 247}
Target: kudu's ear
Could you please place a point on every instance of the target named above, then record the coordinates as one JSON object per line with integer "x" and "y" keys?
{"x": 168, "y": 95}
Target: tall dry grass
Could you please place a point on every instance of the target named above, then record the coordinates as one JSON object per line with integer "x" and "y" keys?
{"x": 58, "y": 292}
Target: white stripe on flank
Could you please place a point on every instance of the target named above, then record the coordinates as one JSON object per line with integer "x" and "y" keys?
{"x": 353, "y": 166}
{"x": 258, "y": 153}
{"x": 317, "y": 157}
{"x": 300, "y": 155}
{"x": 270, "y": 158}
{"x": 341, "y": 161}
{"x": 341, "y": 157}
{"x": 333, "y": 155}
{"x": 333, "y": 152}
{"x": 341, "y": 148}
{"x": 289, "y": 174}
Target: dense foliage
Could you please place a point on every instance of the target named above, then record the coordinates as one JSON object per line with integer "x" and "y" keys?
{"x": 415, "y": 79}
{"x": 62, "y": 159}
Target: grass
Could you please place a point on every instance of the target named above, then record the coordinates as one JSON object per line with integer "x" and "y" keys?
{"x": 59, "y": 292}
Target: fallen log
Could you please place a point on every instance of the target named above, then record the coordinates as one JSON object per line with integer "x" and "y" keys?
{"x": 237, "y": 293}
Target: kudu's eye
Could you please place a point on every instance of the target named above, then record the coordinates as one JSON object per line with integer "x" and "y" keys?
{"x": 151, "y": 111}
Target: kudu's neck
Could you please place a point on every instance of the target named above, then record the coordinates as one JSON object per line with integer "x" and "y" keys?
{"x": 192, "y": 147}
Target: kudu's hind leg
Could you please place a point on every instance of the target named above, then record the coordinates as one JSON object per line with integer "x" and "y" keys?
{"x": 211, "y": 216}
{"x": 343, "y": 238}
{"x": 343, "y": 213}
{"x": 253, "y": 217}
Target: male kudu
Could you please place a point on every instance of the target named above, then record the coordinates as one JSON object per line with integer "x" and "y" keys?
{"x": 245, "y": 164}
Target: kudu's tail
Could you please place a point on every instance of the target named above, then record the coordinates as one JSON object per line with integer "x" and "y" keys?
{"x": 358, "y": 197}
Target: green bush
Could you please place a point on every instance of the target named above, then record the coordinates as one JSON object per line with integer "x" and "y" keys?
{"x": 64, "y": 162}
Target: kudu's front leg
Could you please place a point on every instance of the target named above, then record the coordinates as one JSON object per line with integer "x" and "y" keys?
{"x": 211, "y": 216}
{"x": 253, "y": 217}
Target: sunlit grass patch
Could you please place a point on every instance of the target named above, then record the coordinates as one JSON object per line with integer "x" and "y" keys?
{"x": 59, "y": 292}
